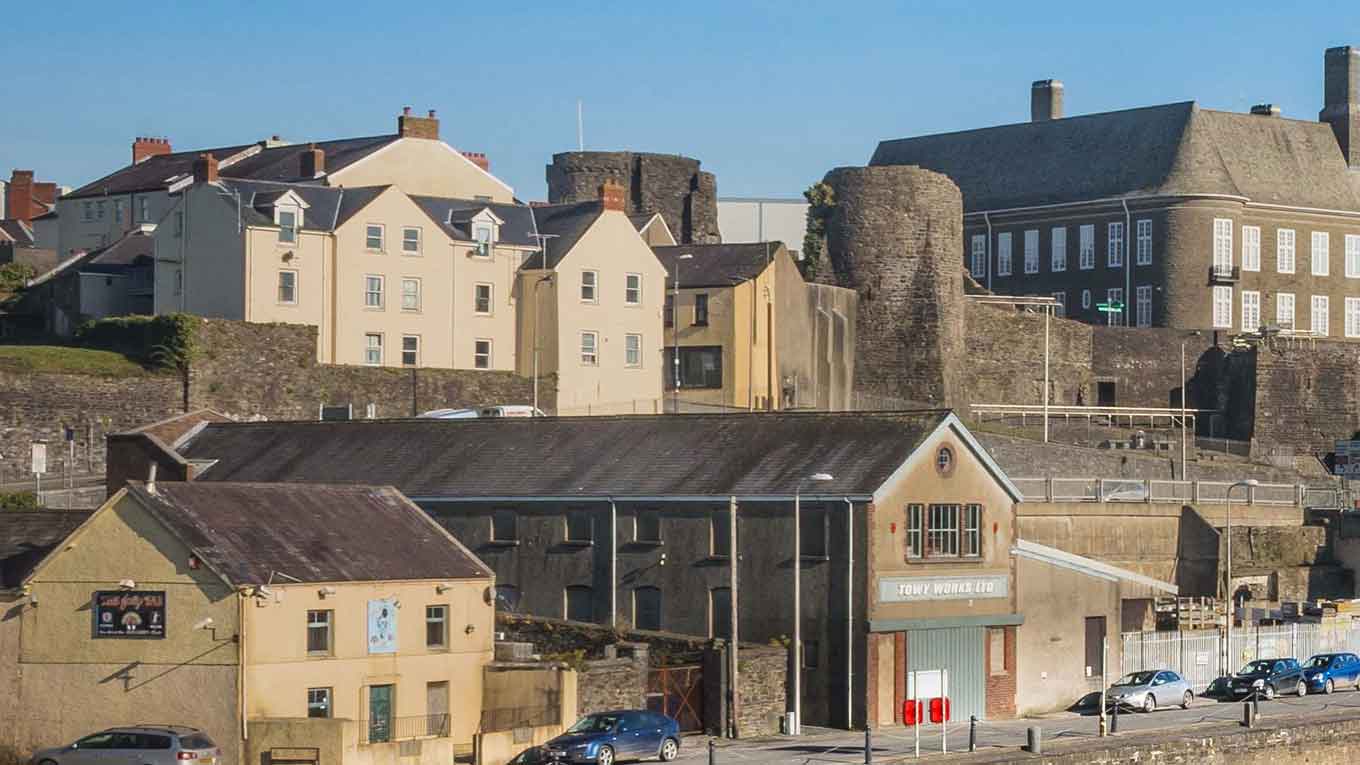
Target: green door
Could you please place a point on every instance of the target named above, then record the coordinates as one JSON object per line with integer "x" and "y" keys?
{"x": 379, "y": 713}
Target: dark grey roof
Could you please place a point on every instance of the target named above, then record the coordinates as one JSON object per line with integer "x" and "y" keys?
{"x": 324, "y": 203}
{"x": 16, "y": 231}
{"x": 716, "y": 265}
{"x": 565, "y": 224}
{"x": 135, "y": 246}
{"x": 1170, "y": 149}
{"x": 315, "y": 533}
{"x": 279, "y": 163}
{"x": 27, "y": 536}
{"x": 636, "y": 456}
{"x": 454, "y": 216}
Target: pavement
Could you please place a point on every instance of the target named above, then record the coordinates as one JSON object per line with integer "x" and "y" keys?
{"x": 898, "y": 743}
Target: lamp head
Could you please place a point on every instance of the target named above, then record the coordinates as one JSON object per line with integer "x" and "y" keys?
{"x": 820, "y": 477}
{"x": 685, "y": 256}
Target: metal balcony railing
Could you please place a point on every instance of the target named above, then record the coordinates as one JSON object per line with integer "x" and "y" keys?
{"x": 385, "y": 730}
{"x": 1152, "y": 490}
{"x": 1221, "y": 273}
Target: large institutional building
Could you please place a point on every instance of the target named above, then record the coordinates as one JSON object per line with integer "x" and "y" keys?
{"x": 1185, "y": 216}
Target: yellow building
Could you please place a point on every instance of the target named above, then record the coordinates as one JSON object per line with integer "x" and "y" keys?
{"x": 751, "y": 334}
{"x": 336, "y": 617}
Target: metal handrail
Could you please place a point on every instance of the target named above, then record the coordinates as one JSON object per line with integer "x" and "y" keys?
{"x": 1149, "y": 490}
{"x": 1067, "y": 409}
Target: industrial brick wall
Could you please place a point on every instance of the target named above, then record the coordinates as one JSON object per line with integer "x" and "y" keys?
{"x": 1307, "y": 395}
{"x": 1005, "y": 358}
{"x": 670, "y": 184}
{"x": 1000, "y": 687}
{"x": 895, "y": 236}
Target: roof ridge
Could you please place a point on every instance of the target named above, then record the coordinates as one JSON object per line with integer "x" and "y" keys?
{"x": 1076, "y": 117}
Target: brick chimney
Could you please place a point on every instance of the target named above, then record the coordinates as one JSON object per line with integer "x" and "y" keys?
{"x": 411, "y": 126}
{"x": 1266, "y": 110}
{"x": 313, "y": 162}
{"x": 1045, "y": 100}
{"x": 145, "y": 148}
{"x": 19, "y": 198}
{"x": 1341, "y": 99}
{"x": 613, "y": 196}
{"x": 205, "y": 169}
{"x": 479, "y": 159}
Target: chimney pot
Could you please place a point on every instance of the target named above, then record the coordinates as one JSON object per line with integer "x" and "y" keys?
{"x": 205, "y": 169}
{"x": 312, "y": 162}
{"x": 612, "y": 196}
{"x": 411, "y": 126}
{"x": 1045, "y": 100}
{"x": 430, "y": 113}
{"x": 406, "y": 110}
{"x": 145, "y": 147}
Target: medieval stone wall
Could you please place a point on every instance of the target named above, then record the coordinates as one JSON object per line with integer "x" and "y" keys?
{"x": 670, "y": 184}
{"x": 1306, "y": 395}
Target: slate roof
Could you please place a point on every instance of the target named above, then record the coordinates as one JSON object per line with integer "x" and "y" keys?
{"x": 279, "y": 163}
{"x": 327, "y": 206}
{"x": 313, "y": 533}
{"x": 454, "y": 216}
{"x": 171, "y": 429}
{"x": 716, "y": 265}
{"x": 1158, "y": 150}
{"x": 566, "y": 224}
{"x": 759, "y": 454}
{"x": 14, "y": 230}
{"x": 117, "y": 257}
{"x": 26, "y": 537}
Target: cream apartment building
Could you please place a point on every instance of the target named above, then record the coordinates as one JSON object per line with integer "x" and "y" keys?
{"x": 414, "y": 158}
{"x": 591, "y": 305}
{"x": 388, "y": 279}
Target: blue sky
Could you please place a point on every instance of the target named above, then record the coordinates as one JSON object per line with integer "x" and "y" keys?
{"x": 769, "y": 95}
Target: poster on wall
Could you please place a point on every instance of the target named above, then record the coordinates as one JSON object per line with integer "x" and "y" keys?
{"x": 137, "y": 614}
{"x": 382, "y": 626}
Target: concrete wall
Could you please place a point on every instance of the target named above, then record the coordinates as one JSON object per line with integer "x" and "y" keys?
{"x": 336, "y": 744}
{"x": 424, "y": 167}
{"x": 668, "y": 184}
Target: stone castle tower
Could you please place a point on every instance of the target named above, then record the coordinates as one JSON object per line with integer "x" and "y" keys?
{"x": 895, "y": 236}
{"x": 670, "y": 184}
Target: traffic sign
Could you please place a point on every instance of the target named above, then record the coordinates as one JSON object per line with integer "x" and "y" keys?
{"x": 1115, "y": 307}
{"x": 39, "y": 465}
{"x": 1347, "y": 462}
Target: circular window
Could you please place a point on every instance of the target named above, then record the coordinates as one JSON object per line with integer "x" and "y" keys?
{"x": 944, "y": 460}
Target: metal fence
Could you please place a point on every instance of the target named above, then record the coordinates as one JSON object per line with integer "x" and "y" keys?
{"x": 1153, "y": 490}
{"x": 380, "y": 731}
{"x": 1198, "y": 655}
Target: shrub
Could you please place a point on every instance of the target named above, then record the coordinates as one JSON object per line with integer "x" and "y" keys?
{"x": 168, "y": 341}
{"x": 18, "y": 500}
{"x": 13, "y": 276}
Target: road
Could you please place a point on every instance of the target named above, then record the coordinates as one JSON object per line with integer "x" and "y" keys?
{"x": 820, "y": 745}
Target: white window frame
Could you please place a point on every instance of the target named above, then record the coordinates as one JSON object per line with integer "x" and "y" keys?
{"x": 407, "y": 240}
{"x": 1284, "y": 318}
{"x": 287, "y": 231}
{"x": 490, "y": 298}
{"x": 632, "y": 347}
{"x": 1319, "y": 320}
{"x": 1086, "y": 240}
{"x": 978, "y": 266}
{"x": 1321, "y": 252}
{"x": 407, "y": 281}
{"x": 1061, "y": 297}
{"x": 1223, "y": 246}
{"x": 381, "y": 292}
{"x": 1003, "y": 254}
{"x": 381, "y": 236}
{"x": 478, "y": 355}
{"x": 1032, "y": 251}
{"x": 1143, "y": 305}
{"x": 416, "y": 361}
{"x": 590, "y": 351}
{"x": 1285, "y": 250}
{"x": 1251, "y": 248}
{"x": 484, "y": 237}
{"x": 1086, "y": 300}
{"x": 1352, "y": 256}
{"x": 1116, "y": 295}
{"x": 143, "y": 210}
{"x": 1222, "y": 306}
{"x": 291, "y": 272}
{"x": 1114, "y": 244}
{"x": 1143, "y": 230}
{"x": 1352, "y": 317}
{"x": 370, "y": 346}
{"x": 632, "y": 293}
{"x": 1058, "y": 249}
{"x": 319, "y": 698}
{"x": 1251, "y": 310}
{"x": 593, "y": 287}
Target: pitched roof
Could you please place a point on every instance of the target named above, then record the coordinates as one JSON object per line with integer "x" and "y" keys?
{"x": 252, "y": 533}
{"x": 324, "y": 203}
{"x": 171, "y": 429}
{"x": 17, "y": 231}
{"x": 27, "y": 536}
{"x": 716, "y": 265}
{"x": 455, "y": 215}
{"x": 252, "y": 161}
{"x": 133, "y": 246}
{"x": 564, "y": 225}
{"x": 1158, "y": 150}
{"x": 758, "y": 454}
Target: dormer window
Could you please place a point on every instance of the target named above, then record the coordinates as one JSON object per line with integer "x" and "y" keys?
{"x": 287, "y": 226}
{"x": 484, "y": 236}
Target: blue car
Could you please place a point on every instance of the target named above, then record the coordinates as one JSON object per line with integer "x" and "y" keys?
{"x": 1328, "y": 671}
{"x": 607, "y": 737}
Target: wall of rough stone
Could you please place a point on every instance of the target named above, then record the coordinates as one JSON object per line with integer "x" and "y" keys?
{"x": 604, "y": 685}
{"x": 895, "y": 236}
{"x": 670, "y": 184}
{"x": 1145, "y": 365}
{"x": 1005, "y": 358}
{"x": 1307, "y": 395}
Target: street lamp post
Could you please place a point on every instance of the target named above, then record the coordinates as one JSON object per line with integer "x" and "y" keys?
{"x": 797, "y": 727}
{"x": 1250, "y": 483}
{"x": 675, "y": 332}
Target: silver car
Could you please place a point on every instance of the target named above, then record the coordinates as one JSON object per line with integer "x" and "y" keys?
{"x": 136, "y": 745}
{"x": 1149, "y": 689}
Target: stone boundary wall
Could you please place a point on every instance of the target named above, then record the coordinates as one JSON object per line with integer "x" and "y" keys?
{"x": 1005, "y": 358}
{"x": 1307, "y": 395}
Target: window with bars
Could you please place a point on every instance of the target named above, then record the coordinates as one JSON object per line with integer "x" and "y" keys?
{"x": 1144, "y": 234}
{"x": 1032, "y": 251}
{"x": 1059, "y": 247}
{"x": 1114, "y": 245}
{"x": 1086, "y": 253}
{"x": 1003, "y": 254}
{"x": 944, "y": 531}
{"x": 1251, "y": 248}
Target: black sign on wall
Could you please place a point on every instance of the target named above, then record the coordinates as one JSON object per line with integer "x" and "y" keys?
{"x": 138, "y": 614}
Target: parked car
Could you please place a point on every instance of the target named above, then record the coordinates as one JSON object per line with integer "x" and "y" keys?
{"x": 1268, "y": 678}
{"x": 534, "y": 755}
{"x": 1150, "y": 689}
{"x": 1325, "y": 671}
{"x": 606, "y": 737}
{"x": 137, "y": 744}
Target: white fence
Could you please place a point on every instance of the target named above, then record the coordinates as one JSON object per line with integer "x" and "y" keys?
{"x": 1198, "y": 655}
{"x": 1151, "y": 490}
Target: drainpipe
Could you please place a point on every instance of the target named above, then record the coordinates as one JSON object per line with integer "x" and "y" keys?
{"x": 1128, "y": 262}
{"x": 735, "y": 705}
{"x": 987, "y": 218}
{"x": 241, "y": 659}
{"x": 614, "y": 564}
{"x": 850, "y": 615}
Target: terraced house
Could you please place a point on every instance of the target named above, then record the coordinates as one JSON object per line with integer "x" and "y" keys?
{"x": 1186, "y": 217}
